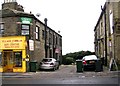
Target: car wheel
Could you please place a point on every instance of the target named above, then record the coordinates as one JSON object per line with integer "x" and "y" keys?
{"x": 40, "y": 69}
{"x": 54, "y": 69}
{"x": 58, "y": 67}
{"x": 84, "y": 69}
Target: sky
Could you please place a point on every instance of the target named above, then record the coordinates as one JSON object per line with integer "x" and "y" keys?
{"x": 75, "y": 19}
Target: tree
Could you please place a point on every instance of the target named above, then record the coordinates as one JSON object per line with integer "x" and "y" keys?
{"x": 72, "y": 57}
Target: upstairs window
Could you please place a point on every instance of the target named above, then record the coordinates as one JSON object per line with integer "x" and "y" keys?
{"x": 111, "y": 21}
{"x": 60, "y": 42}
{"x": 1, "y": 28}
{"x": 37, "y": 33}
{"x": 50, "y": 38}
{"x": 25, "y": 30}
{"x": 43, "y": 34}
{"x": 56, "y": 40}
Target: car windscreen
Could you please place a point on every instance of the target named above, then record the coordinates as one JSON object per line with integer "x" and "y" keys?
{"x": 91, "y": 57}
{"x": 46, "y": 60}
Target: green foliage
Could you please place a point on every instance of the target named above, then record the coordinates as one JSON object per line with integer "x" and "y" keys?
{"x": 69, "y": 60}
{"x": 118, "y": 64}
{"x": 72, "y": 57}
{"x": 119, "y": 67}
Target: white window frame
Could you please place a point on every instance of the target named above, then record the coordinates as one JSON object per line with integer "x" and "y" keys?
{"x": 37, "y": 29}
{"x": 1, "y": 28}
{"x": 25, "y": 31}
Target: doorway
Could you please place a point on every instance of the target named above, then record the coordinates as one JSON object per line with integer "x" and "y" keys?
{"x": 8, "y": 61}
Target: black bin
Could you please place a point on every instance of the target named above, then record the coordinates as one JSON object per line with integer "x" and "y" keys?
{"x": 98, "y": 66}
{"x": 79, "y": 65}
{"x": 32, "y": 66}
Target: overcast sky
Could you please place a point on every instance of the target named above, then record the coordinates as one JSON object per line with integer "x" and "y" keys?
{"x": 75, "y": 19}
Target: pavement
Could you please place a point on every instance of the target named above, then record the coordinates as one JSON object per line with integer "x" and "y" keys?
{"x": 17, "y": 75}
{"x": 29, "y": 74}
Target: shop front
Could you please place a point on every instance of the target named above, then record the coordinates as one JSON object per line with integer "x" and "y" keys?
{"x": 13, "y": 54}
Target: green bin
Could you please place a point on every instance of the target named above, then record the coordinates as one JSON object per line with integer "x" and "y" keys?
{"x": 79, "y": 65}
{"x": 32, "y": 66}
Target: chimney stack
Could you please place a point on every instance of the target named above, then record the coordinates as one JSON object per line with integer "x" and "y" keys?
{"x": 12, "y": 4}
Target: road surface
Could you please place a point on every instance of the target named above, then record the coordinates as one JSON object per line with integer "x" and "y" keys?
{"x": 66, "y": 75}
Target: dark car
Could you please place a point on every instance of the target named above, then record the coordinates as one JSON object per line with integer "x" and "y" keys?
{"x": 89, "y": 62}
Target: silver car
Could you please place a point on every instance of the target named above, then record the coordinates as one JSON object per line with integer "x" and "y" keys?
{"x": 49, "y": 63}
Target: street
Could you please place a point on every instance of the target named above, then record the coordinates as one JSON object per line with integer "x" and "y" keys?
{"x": 65, "y": 75}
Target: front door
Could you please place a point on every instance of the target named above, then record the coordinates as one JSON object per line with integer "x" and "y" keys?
{"x": 8, "y": 61}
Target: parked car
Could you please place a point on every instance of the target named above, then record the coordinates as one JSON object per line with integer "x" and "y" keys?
{"x": 49, "y": 63}
{"x": 89, "y": 62}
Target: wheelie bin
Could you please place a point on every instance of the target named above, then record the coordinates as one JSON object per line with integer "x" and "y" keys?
{"x": 79, "y": 65}
{"x": 32, "y": 66}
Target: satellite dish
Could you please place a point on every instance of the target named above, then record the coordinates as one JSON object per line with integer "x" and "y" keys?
{"x": 38, "y": 15}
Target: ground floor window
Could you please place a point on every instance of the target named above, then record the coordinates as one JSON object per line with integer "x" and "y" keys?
{"x": 11, "y": 58}
{"x": 18, "y": 59}
{"x": 5, "y": 59}
{"x": 0, "y": 58}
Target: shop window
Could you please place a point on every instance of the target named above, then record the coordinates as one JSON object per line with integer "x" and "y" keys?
{"x": 25, "y": 30}
{"x": 18, "y": 59}
{"x": 1, "y": 28}
{"x": 0, "y": 58}
{"x": 37, "y": 33}
{"x": 5, "y": 59}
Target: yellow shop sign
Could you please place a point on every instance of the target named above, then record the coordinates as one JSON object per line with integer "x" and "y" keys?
{"x": 12, "y": 42}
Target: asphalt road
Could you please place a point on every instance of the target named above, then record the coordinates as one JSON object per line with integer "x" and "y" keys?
{"x": 66, "y": 75}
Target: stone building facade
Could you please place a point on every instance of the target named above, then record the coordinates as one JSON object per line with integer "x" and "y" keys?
{"x": 107, "y": 34}
{"x": 46, "y": 43}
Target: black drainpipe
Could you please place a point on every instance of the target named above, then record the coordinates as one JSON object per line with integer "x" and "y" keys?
{"x": 45, "y": 20}
{"x": 104, "y": 12}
